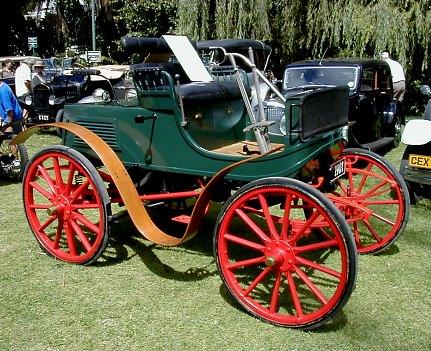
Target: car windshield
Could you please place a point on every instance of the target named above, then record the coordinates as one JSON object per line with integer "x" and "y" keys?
{"x": 49, "y": 63}
{"x": 296, "y": 77}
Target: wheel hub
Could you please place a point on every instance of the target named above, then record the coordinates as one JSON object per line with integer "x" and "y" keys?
{"x": 280, "y": 254}
{"x": 61, "y": 208}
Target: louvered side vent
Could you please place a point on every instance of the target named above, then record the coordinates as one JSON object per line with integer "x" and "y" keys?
{"x": 105, "y": 130}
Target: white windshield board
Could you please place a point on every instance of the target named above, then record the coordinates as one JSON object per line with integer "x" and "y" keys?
{"x": 188, "y": 58}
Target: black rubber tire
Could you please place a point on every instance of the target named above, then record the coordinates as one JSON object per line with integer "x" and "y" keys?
{"x": 59, "y": 118}
{"x": 334, "y": 214}
{"x": 415, "y": 190}
{"x": 23, "y": 159}
{"x": 100, "y": 191}
{"x": 396, "y": 131}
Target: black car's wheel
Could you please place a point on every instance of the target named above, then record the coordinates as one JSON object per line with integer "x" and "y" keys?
{"x": 13, "y": 159}
{"x": 59, "y": 118}
{"x": 396, "y": 130}
{"x": 415, "y": 189}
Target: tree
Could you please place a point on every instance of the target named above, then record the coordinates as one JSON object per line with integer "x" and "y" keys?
{"x": 309, "y": 28}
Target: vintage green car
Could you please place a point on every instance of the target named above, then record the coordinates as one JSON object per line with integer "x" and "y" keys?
{"x": 294, "y": 202}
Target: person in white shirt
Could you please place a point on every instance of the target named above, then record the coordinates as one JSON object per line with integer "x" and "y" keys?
{"x": 23, "y": 77}
{"x": 23, "y": 81}
{"x": 398, "y": 77}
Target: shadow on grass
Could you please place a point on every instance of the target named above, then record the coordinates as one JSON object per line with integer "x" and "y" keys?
{"x": 124, "y": 235}
{"x": 392, "y": 250}
{"x": 6, "y": 182}
{"x": 336, "y": 323}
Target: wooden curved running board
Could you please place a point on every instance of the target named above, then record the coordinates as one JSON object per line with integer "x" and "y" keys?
{"x": 127, "y": 190}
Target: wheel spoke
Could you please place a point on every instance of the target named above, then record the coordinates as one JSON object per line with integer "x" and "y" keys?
{"x": 47, "y": 223}
{"x": 375, "y": 188}
{"x": 90, "y": 225}
{"x": 70, "y": 240}
{"x": 356, "y": 234}
{"x": 319, "y": 267}
{"x": 376, "y": 193}
{"x": 258, "y": 279}
{"x": 316, "y": 246}
{"x": 294, "y": 295}
{"x": 316, "y": 291}
{"x": 268, "y": 217}
{"x": 58, "y": 234}
{"x": 342, "y": 186}
{"x": 47, "y": 178}
{"x": 351, "y": 183}
{"x": 40, "y": 206}
{"x": 364, "y": 177}
{"x": 70, "y": 178}
{"x": 246, "y": 263}
{"x": 253, "y": 226}
{"x": 57, "y": 170}
{"x": 273, "y": 307}
{"x": 85, "y": 206}
{"x": 81, "y": 235}
{"x": 243, "y": 242}
{"x": 305, "y": 226}
{"x": 372, "y": 231}
{"x": 41, "y": 190}
{"x": 80, "y": 190}
{"x": 286, "y": 217}
{"x": 383, "y": 219}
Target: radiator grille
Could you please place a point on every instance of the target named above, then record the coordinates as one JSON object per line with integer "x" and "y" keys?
{"x": 40, "y": 97}
{"x": 274, "y": 112}
{"x": 105, "y": 130}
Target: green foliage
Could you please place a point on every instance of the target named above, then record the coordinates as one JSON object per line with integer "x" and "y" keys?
{"x": 147, "y": 17}
{"x": 308, "y": 28}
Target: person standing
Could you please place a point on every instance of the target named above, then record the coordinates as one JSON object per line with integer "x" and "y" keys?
{"x": 398, "y": 77}
{"x": 7, "y": 70}
{"x": 23, "y": 81}
{"x": 39, "y": 75}
{"x": 23, "y": 77}
{"x": 10, "y": 111}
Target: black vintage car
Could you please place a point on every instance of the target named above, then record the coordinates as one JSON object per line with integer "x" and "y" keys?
{"x": 46, "y": 103}
{"x": 376, "y": 117}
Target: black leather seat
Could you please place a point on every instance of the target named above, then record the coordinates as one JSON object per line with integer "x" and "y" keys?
{"x": 211, "y": 91}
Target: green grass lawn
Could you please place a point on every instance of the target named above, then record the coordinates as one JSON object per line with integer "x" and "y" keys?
{"x": 140, "y": 296}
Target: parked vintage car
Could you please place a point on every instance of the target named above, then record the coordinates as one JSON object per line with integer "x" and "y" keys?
{"x": 16, "y": 60}
{"x": 376, "y": 115}
{"x": 295, "y": 202}
{"x": 46, "y": 103}
{"x": 416, "y": 161}
{"x": 52, "y": 68}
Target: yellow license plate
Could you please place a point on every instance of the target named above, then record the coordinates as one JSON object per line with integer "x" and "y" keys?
{"x": 420, "y": 161}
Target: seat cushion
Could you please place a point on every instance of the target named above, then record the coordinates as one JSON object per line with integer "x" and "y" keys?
{"x": 212, "y": 91}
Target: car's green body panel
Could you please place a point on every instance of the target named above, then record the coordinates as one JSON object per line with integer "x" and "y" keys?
{"x": 153, "y": 138}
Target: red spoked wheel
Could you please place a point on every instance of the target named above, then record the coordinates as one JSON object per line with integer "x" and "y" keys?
{"x": 271, "y": 260}
{"x": 67, "y": 205}
{"x": 374, "y": 200}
